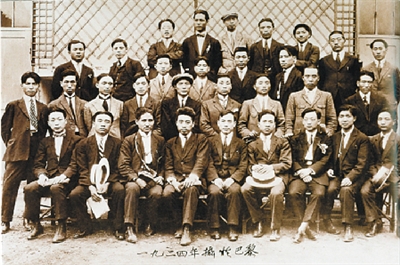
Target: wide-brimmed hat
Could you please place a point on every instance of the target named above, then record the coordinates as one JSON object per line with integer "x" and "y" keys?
{"x": 178, "y": 77}
{"x": 382, "y": 176}
{"x": 263, "y": 180}
{"x": 229, "y": 15}
{"x": 100, "y": 172}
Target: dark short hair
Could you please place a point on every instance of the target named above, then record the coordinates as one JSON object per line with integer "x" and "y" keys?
{"x": 201, "y": 11}
{"x": 201, "y": 58}
{"x": 226, "y": 112}
{"x": 57, "y": 109}
{"x": 103, "y": 112}
{"x": 32, "y": 75}
{"x": 348, "y": 107}
{"x": 266, "y": 20}
{"x": 305, "y": 26}
{"x": 259, "y": 76}
{"x": 391, "y": 111}
{"x": 292, "y": 51}
{"x": 265, "y": 112}
{"x": 308, "y": 110}
{"x": 336, "y": 32}
{"x": 100, "y": 76}
{"x": 368, "y": 73}
{"x": 68, "y": 72}
{"x": 166, "y": 20}
{"x": 379, "y": 40}
{"x": 75, "y": 42}
{"x": 140, "y": 75}
{"x": 222, "y": 75}
{"x": 141, "y": 111}
{"x": 241, "y": 49}
{"x": 186, "y": 111}
{"x": 119, "y": 40}
{"x": 164, "y": 55}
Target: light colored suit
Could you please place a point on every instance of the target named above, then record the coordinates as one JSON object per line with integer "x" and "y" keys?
{"x": 207, "y": 92}
{"x": 159, "y": 92}
{"x": 228, "y": 48}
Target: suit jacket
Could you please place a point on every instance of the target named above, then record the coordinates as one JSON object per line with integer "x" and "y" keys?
{"x": 131, "y": 159}
{"x": 157, "y": 90}
{"x": 123, "y": 78}
{"x": 242, "y": 89}
{"x": 62, "y": 103}
{"x": 293, "y": 83}
{"x": 248, "y": 116}
{"x": 279, "y": 156}
{"x": 388, "y": 157}
{"x": 87, "y": 154}
{"x": 298, "y": 102}
{"x": 169, "y": 107}
{"x": 322, "y": 151}
{"x": 211, "y": 50}
{"x": 192, "y": 159}
{"x": 128, "y": 118}
{"x": 85, "y": 88}
{"x": 387, "y": 81}
{"x": 366, "y": 121}
{"x": 353, "y": 162}
{"x": 210, "y": 111}
{"x": 116, "y": 109}
{"x": 207, "y": 92}
{"x": 15, "y": 130}
{"x": 309, "y": 57}
{"x": 47, "y": 162}
{"x": 237, "y": 161}
{"x": 241, "y": 40}
{"x": 174, "y": 51}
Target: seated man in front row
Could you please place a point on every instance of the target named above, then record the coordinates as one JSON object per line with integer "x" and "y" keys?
{"x": 270, "y": 158}
{"x": 226, "y": 171}
{"x": 186, "y": 160}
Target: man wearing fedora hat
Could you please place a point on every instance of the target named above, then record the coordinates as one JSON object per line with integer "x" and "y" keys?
{"x": 270, "y": 159}
{"x": 307, "y": 53}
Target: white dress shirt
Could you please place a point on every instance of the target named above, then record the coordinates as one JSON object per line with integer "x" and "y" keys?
{"x": 385, "y": 138}
{"x": 144, "y": 99}
{"x": 146, "y": 140}
{"x": 368, "y": 96}
{"x": 227, "y": 138}
{"x": 266, "y": 139}
{"x": 184, "y": 138}
{"x": 27, "y": 101}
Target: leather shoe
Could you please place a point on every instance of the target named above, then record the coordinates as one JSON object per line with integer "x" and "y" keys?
{"x": 348, "y": 236}
{"x": 185, "y": 240}
{"x": 259, "y": 231}
{"x": 37, "y": 229}
{"x": 330, "y": 228}
{"x": 149, "y": 230}
{"x": 178, "y": 233}
{"x": 5, "y": 227}
{"x": 81, "y": 234}
{"x": 374, "y": 228}
{"x": 362, "y": 222}
{"x": 61, "y": 233}
{"x": 131, "y": 236}
{"x": 310, "y": 234}
{"x": 298, "y": 237}
{"x": 119, "y": 235}
{"x": 215, "y": 234}
{"x": 232, "y": 235}
{"x": 275, "y": 235}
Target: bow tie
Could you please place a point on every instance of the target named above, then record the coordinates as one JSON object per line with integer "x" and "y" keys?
{"x": 61, "y": 134}
{"x": 201, "y": 35}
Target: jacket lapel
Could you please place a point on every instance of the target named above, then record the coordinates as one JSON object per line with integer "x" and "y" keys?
{"x": 22, "y": 106}
{"x": 361, "y": 105}
{"x": 345, "y": 60}
{"x": 205, "y": 44}
{"x": 273, "y": 146}
{"x": 188, "y": 145}
{"x": 256, "y": 105}
{"x": 390, "y": 143}
{"x": 65, "y": 144}
{"x": 193, "y": 39}
{"x": 352, "y": 138}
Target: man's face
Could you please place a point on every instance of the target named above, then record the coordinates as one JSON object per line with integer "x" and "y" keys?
{"x": 30, "y": 87}
{"x": 311, "y": 121}
{"x": 184, "y": 124}
{"x": 163, "y": 66}
{"x": 301, "y": 35}
{"x": 167, "y": 31}
{"x": 141, "y": 86}
{"x": 379, "y": 50}
{"x": 119, "y": 50}
{"x": 231, "y": 23}
{"x": 267, "y": 124}
{"x": 146, "y": 122}
{"x": 226, "y": 123}
{"x": 310, "y": 78}
{"x": 266, "y": 29}
{"x": 241, "y": 59}
{"x": 77, "y": 52}
{"x": 346, "y": 119}
{"x": 224, "y": 86}
{"x": 337, "y": 42}
{"x": 105, "y": 85}
{"x": 102, "y": 124}
{"x": 200, "y": 22}
{"x": 365, "y": 83}
{"x": 57, "y": 122}
{"x": 385, "y": 122}
{"x": 262, "y": 85}
{"x": 286, "y": 60}
{"x": 201, "y": 68}
{"x": 183, "y": 87}
{"x": 68, "y": 84}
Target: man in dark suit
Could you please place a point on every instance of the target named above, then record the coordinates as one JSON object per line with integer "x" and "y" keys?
{"x": 264, "y": 54}
{"x": 242, "y": 77}
{"x": 270, "y": 155}
{"x": 368, "y": 103}
{"x": 85, "y": 88}
{"x": 311, "y": 151}
{"x": 307, "y": 53}
{"x": 348, "y": 169}
{"x": 123, "y": 71}
{"x": 182, "y": 83}
{"x": 201, "y": 44}
{"x": 385, "y": 163}
{"x": 225, "y": 175}
{"x": 186, "y": 161}
{"x": 289, "y": 80}
{"x": 71, "y": 103}
{"x": 339, "y": 70}
{"x": 55, "y": 171}
{"x": 88, "y": 153}
{"x": 141, "y": 163}
{"x": 23, "y": 125}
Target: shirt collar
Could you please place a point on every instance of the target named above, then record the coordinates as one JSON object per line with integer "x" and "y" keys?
{"x": 368, "y": 95}
{"x": 223, "y": 98}
{"x": 143, "y": 134}
{"x": 28, "y": 99}
{"x": 387, "y": 134}
{"x": 264, "y": 137}
{"x": 380, "y": 63}
{"x": 98, "y": 137}
{"x": 269, "y": 41}
{"x": 349, "y": 132}
{"x": 102, "y": 97}
{"x": 203, "y": 33}
{"x": 341, "y": 55}
{"x": 123, "y": 59}
{"x": 229, "y": 137}
{"x": 184, "y": 98}
{"x": 311, "y": 133}
{"x": 304, "y": 44}
{"x": 144, "y": 98}
{"x": 244, "y": 69}
{"x": 69, "y": 96}
{"x": 288, "y": 70}
{"x": 187, "y": 136}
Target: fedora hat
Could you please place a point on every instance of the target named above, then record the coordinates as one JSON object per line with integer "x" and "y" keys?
{"x": 263, "y": 180}
{"x": 100, "y": 172}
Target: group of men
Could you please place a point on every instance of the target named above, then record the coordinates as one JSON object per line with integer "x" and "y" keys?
{"x": 246, "y": 120}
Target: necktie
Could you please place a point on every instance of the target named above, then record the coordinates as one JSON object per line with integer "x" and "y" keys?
{"x": 182, "y": 103}
{"x": 201, "y": 35}
{"x": 309, "y": 155}
{"x": 365, "y": 100}
{"x": 105, "y": 104}
{"x": 201, "y": 88}
{"x": 71, "y": 107}
{"x": 379, "y": 69}
{"x": 232, "y": 41}
{"x": 32, "y": 115}
{"x": 264, "y": 106}
{"x": 119, "y": 64}
{"x": 101, "y": 148}
{"x": 241, "y": 75}
{"x": 225, "y": 141}
{"x": 311, "y": 140}
{"x": 266, "y": 47}
{"x": 266, "y": 145}
{"x": 140, "y": 101}
{"x": 341, "y": 146}
{"x": 184, "y": 141}
{"x": 301, "y": 47}
{"x": 337, "y": 59}
{"x": 163, "y": 81}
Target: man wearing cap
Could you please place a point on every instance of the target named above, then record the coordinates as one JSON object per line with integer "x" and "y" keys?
{"x": 270, "y": 159}
{"x": 232, "y": 39}
{"x": 307, "y": 53}
{"x": 182, "y": 84}
{"x": 201, "y": 44}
